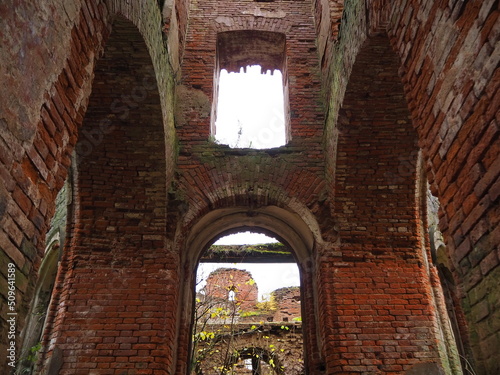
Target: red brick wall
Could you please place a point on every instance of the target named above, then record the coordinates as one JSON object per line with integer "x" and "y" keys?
{"x": 260, "y": 178}
{"x": 373, "y": 285}
{"x": 448, "y": 59}
{"x": 120, "y": 269}
{"x": 38, "y": 163}
{"x": 375, "y": 191}
{"x": 288, "y": 304}
{"x": 43, "y": 102}
{"x": 448, "y": 65}
{"x": 449, "y": 62}
{"x": 221, "y": 281}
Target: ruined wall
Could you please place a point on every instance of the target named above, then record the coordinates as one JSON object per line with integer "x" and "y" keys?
{"x": 51, "y": 72}
{"x": 212, "y": 176}
{"x": 204, "y": 164}
{"x": 280, "y": 345}
{"x": 287, "y": 304}
{"x": 447, "y": 59}
{"x": 251, "y": 329}
{"x": 224, "y": 280}
{"x": 449, "y": 63}
{"x": 45, "y": 82}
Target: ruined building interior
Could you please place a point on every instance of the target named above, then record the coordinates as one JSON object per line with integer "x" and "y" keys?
{"x": 236, "y": 331}
{"x": 113, "y": 183}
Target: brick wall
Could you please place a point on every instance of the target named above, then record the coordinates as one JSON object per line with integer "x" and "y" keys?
{"x": 449, "y": 63}
{"x": 283, "y": 346}
{"x": 203, "y": 164}
{"x": 288, "y": 304}
{"x": 221, "y": 281}
{"x": 44, "y": 87}
{"x": 117, "y": 254}
{"x": 34, "y": 165}
{"x": 447, "y": 59}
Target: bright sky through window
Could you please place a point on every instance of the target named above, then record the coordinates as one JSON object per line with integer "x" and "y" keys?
{"x": 250, "y": 109}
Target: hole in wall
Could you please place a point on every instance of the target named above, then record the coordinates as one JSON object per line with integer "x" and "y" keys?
{"x": 250, "y": 108}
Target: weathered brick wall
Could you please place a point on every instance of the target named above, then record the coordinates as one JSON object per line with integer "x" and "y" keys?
{"x": 42, "y": 100}
{"x": 282, "y": 344}
{"x": 118, "y": 251}
{"x": 448, "y": 63}
{"x": 202, "y": 164}
{"x": 223, "y": 280}
{"x": 287, "y": 303}
{"x": 449, "y": 59}
{"x": 372, "y": 283}
{"x": 375, "y": 191}
{"x": 449, "y": 55}
{"x": 212, "y": 176}
{"x": 51, "y": 74}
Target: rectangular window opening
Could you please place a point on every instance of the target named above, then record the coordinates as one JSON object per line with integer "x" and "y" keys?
{"x": 251, "y": 101}
{"x": 250, "y": 109}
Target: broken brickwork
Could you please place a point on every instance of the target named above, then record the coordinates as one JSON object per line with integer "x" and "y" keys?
{"x": 234, "y": 284}
{"x": 381, "y": 97}
{"x": 278, "y": 344}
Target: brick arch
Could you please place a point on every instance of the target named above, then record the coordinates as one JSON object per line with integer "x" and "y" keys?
{"x": 290, "y": 227}
{"x": 241, "y": 23}
{"x": 298, "y": 229}
{"x": 267, "y": 181}
{"x": 121, "y": 149}
{"x": 376, "y": 152}
{"x": 376, "y": 192}
{"x": 64, "y": 58}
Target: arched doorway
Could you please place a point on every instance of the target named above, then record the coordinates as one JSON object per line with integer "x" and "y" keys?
{"x": 286, "y": 226}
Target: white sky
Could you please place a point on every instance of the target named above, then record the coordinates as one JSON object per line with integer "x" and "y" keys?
{"x": 268, "y": 276}
{"x": 254, "y": 102}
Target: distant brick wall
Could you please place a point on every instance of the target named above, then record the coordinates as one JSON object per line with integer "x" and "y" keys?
{"x": 225, "y": 280}
{"x": 288, "y": 304}
{"x": 282, "y": 344}
{"x": 449, "y": 63}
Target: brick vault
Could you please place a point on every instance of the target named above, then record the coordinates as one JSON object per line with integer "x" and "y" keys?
{"x": 112, "y": 104}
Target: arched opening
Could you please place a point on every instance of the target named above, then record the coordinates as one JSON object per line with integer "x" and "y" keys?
{"x": 118, "y": 225}
{"x": 296, "y": 236}
{"x": 247, "y": 295}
